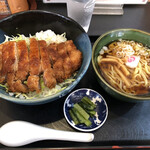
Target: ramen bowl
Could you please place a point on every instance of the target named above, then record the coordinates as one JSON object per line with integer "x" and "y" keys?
{"x": 30, "y": 22}
{"x": 104, "y": 40}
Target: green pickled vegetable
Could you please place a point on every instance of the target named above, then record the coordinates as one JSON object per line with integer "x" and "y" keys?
{"x": 81, "y": 118}
{"x": 81, "y": 111}
{"x": 91, "y": 112}
{"x": 87, "y": 123}
{"x": 86, "y": 100}
{"x": 86, "y": 106}
{"x": 78, "y": 115}
{"x": 74, "y": 118}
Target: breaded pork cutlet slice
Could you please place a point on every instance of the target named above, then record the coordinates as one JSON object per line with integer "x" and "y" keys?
{"x": 1, "y": 78}
{"x": 48, "y": 74}
{"x": 61, "y": 48}
{"x": 5, "y": 60}
{"x": 33, "y": 83}
{"x": 74, "y": 54}
{"x": 34, "y": 58}
{"x": 20, "y": 87}
{"x": 10, "y": 53}
{"x": 59, "y": 70}
{"x": 15, "y": 86}
{"x": 52, "y": 52}
{"x": 10, "y": 63}
{"x": 34, "y": 66}
{"x": 67, "y": 65}
{"x": 11, "y": 81}
{"x": 23, "y": 61}
{"x": 56, "y": 62}
{"x": 23, "y": 67}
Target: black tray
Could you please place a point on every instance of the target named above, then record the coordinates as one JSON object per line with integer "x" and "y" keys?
{"x": 127, "y": 124}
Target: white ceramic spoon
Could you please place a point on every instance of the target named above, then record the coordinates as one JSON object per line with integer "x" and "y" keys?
{"x": 19, "y": 133}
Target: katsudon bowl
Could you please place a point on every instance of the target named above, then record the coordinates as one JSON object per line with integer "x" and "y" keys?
{"x": 102, "y": 43}
{"x": 31, "y": 22}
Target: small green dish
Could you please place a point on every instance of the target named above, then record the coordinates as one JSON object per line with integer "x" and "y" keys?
{"x": 105, "y": 39}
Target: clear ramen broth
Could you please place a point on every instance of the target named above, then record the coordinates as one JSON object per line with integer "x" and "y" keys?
{"x": 125, "y": 65}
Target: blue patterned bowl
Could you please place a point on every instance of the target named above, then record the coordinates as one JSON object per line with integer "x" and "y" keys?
{"x": 30, "y": 22}
{"x": 101, "y": 109}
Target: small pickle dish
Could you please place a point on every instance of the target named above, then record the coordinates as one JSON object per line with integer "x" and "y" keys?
{"x": 121, "y": 60}
{"x": 85, "y": 110}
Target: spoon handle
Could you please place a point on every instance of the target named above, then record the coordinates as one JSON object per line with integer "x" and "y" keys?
{"x": 18, "y": 133}
{"x": 68, "y": 135}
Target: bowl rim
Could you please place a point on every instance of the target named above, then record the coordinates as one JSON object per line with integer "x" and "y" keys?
{"x": 42, "y": 11}
{"x": 66, "y": 90}
{"x": 134, "y": 97}
{"x": 86, "y": 130}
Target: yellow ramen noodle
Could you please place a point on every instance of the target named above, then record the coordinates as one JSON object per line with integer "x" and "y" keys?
{"x": 125, "y": 65}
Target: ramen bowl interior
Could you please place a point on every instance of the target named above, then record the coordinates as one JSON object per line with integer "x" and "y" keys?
{"x": 30, "y": 22}
{"x": 104, "y": 40}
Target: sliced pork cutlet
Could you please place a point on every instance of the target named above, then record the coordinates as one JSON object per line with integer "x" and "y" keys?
{"x": 10, "y": 63}
{"x": 23, "y": 67}
{"x": 48, "y": 74}
{"x": 1, "y": 78}
{"x": 61, "y": 48}
{"x": 5, "y": 61}
{"x": 67, "y": 65}
{"x": 34, "y": 58}
{"x": 49, "y": 79}
{"x": 23, "y": 61}
{"x": 33, "y": 83}
{"x": 52, "y": 52}
{"x": 74, "y": 54}
{"x": 57, "y": 62}
{"x": 59, "y": 70}
{"x": 34, "y": 66}
{"x": 15, "y": 86}
{"x": 10, "y": 67}
{"x": 70, "y": 46}
{"x": 20, "y": 87}
{"x": 11, "y": 81}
